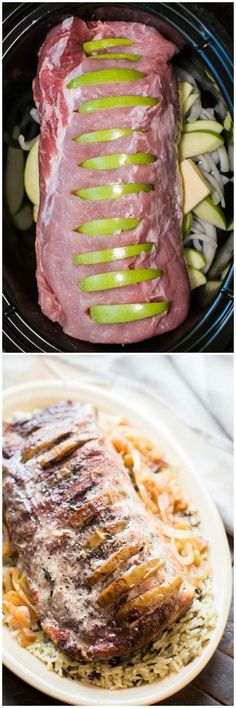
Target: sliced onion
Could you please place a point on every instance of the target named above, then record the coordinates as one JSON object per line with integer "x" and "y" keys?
{"x": 231, "y": 157}
{"x": 26, "y": 144}
{"x": 223, "y": 257}
{"x": 183, "y": 75}
{"x": 198, "y": 236}
{"x": 221, "y": 109}
{"x": 217, "y": 187}
{"x": 208, "y": 114}
{"x": 210, "y": 166}
{"x": 195, "y": 111}
{"x": 173, "y": 532}
{"x": 224, "y": 160}
{"x": 34, "y": 114}
{"x": 188, "y": 559}
{"x": 215, "y": 156}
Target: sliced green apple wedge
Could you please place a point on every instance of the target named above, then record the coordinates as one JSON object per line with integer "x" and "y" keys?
{"x": 117, "y": 279}
{"x": 198, "y": 142}
{"x": 195, "y": 185}
{"x": 31, "y": 176}
{"x": 130, "y": 57}
{"x": 116, "y": 314}
{"x": 189, "y": 102}
{"x": 212, "y": 288}
{"x": 105, "y": 227}
{"x": 194, "y": 258}
{"x": 185, "y": 89}
{"x": 111, "y": 254}
{"x": 211, "y": 125}
{"x": 111, "y": 162}
{"x": 105, "y": 76}
{"x": 95, "y": 44}
{"x": 187, "y": 223}
{"x": 112, "y": 191}
{"x": 228, "y": 121}
{"x": 211, "y": 213}
{"x": 105, "y": 136}
{"x": 112, "y": 102}
{"x": 196, "y": 277}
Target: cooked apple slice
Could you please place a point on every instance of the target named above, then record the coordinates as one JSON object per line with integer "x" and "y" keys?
{"x": 211, "y": 213}
{"x": 32, "y": 174}
{"x": 145, "y": 603}
{"x": 113, "y": 562}
{"x": 118, "y": 279}
{"x": 195, "y": 185}
{"x": 105, "y": 76}
{"x": 194, "y": 258}
{"x": 187, "y": 223}
{"x": 111, "y": 162}
{"x": 104, "y": 534}
{"x": 112, "y": 191}
{"x": 198, "y": 142}
{"x": 129, "y": 57}
{"x": 111, "y": 254}
{"x": 196, "y": 277}
{"x": 104, "y": 136}
{"x": 105, "y": 227}
{"x": 128, "y": 581}
{"x": 111, "y": 102}
{"x": 95, "y": 44}
{"x": 116, "y": 314}
{"x": 211, "y": 125}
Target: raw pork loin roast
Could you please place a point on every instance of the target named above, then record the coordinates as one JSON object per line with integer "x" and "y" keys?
{"x": 110, "y": 267}
{"x": 103, "y": 583}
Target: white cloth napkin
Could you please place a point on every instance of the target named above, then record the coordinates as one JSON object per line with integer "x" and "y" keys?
{"x": 193, "y": 393}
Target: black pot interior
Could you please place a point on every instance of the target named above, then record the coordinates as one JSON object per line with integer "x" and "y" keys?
{"x": 29, "y": 26}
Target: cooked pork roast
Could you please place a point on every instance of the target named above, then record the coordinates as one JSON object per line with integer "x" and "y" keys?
{"x": 102, "y": 581}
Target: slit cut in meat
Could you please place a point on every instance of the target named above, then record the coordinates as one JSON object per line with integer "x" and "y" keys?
{"x": 36, "y": 445}
{"x": 150, "y": 600}
{"x": 63, "y": 449}
{"x": 103, "y": 534}
{"x": 146, "y": 197}
{"x": 109, "y": 598}
{"x": 128, "y": 581}
{"x": 115, "y": 560}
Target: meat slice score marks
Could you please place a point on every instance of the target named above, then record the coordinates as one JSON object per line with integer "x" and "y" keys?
{"x": 102, "y": 582}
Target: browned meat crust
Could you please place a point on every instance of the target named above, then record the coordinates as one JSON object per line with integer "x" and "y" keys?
{"x": 103, "y": 583}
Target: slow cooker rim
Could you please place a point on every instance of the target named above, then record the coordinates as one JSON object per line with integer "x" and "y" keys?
{"x": 144, "y": 6}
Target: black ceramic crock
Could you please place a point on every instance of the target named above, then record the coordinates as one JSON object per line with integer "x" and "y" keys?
{"x": 200, "y": 37}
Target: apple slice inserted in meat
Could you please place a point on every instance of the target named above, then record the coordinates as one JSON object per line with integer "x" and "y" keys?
{"x": 105, "y": 76}
{"x": 105, "y": 136}
{"x": 129, "y": 57}
{"x": 117, "y": 314}
{"x": 105, "y": 227}
{"x": 111, "y": 254}
{"x": 111, "y": 162}
{"x": 96, "y": 44}
{"x": 111, "y": 102}
{"x": 118, "y": 278}
{"x": 112, "y": 191}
